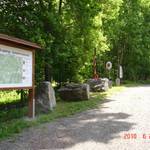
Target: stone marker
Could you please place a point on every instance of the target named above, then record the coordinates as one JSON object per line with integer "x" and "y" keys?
{"x": 44, "y": 98}
{"x": 110, "y": 83}
{"x": 118, "y": 82}
{"x": 74, "y": 91}
{"x": 105, "y": 82}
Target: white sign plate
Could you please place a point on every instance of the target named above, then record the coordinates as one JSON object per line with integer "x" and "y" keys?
{"x": 120, "y": 72}
{"x": 15, "y": 67}
{"x": 108, "y": 65}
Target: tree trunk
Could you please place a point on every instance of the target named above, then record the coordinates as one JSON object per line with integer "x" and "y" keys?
{"x": 60, "y": 6}
{"x": 48, "y": 74}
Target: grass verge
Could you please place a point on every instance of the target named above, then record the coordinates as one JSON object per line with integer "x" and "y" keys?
{"x": 12, "y": 122}
{"x": 9, "y": 97}
{"x": 127, "y": 83}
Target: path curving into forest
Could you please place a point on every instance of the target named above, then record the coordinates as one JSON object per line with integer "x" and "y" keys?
{"x": 122, "y": 122}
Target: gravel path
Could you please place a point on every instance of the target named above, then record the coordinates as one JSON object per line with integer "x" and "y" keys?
{"x": 119, "y": 124}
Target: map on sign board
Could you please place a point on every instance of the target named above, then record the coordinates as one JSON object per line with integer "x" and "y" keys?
{"x": 15, "y": 67}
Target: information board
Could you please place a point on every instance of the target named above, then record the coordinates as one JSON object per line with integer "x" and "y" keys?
{"x": 15, "y": 67}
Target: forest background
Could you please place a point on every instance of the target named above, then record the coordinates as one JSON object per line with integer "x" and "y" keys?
{"x": 69, "y": 32}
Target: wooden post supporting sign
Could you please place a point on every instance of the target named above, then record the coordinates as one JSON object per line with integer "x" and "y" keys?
{"x": 17, "y": 67}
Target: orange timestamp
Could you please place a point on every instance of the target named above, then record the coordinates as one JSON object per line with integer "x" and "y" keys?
{"x": 132, "y": 136}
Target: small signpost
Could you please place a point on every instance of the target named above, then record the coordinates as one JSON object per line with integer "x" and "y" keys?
{"x": 120, "y": 72}
{"x": 17, "y": 62}
{"x": 108, "y": 67}
{"x": 119, "y": 76}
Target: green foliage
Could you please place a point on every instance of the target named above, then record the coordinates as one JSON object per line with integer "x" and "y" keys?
{"x": 129, "y": 36}
{"x": 7, "y": 115}
{"x": 69, "y": 31}
{"x": 12, "y": 121}
{"x": 8, "y": 97}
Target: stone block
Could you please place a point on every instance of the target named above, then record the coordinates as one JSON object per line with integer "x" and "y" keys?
{"x": 74, "y": 92}
{"x": 45, "y": 97}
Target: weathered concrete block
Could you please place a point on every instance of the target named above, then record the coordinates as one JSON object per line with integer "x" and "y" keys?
{"x": 74, "y": 92}
{"x": 45, "y": 98}
{"x": 97, "y": 85}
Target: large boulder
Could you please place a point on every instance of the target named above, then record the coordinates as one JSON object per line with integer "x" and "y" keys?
{"x": 45, "y": 97}
{"x": 97, "y": 85}
{"x": 74, "y": 91}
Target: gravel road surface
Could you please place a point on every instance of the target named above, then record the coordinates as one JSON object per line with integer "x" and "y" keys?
{"x": 122, "y": 122}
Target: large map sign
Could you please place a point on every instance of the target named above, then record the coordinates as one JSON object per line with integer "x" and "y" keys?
{"x": 15, "y": 67}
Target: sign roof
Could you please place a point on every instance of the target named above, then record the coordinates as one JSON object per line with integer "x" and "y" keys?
{"x": 18, "y": 41}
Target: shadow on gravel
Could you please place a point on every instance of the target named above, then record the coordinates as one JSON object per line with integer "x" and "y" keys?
{"x": 92, "y": 125}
